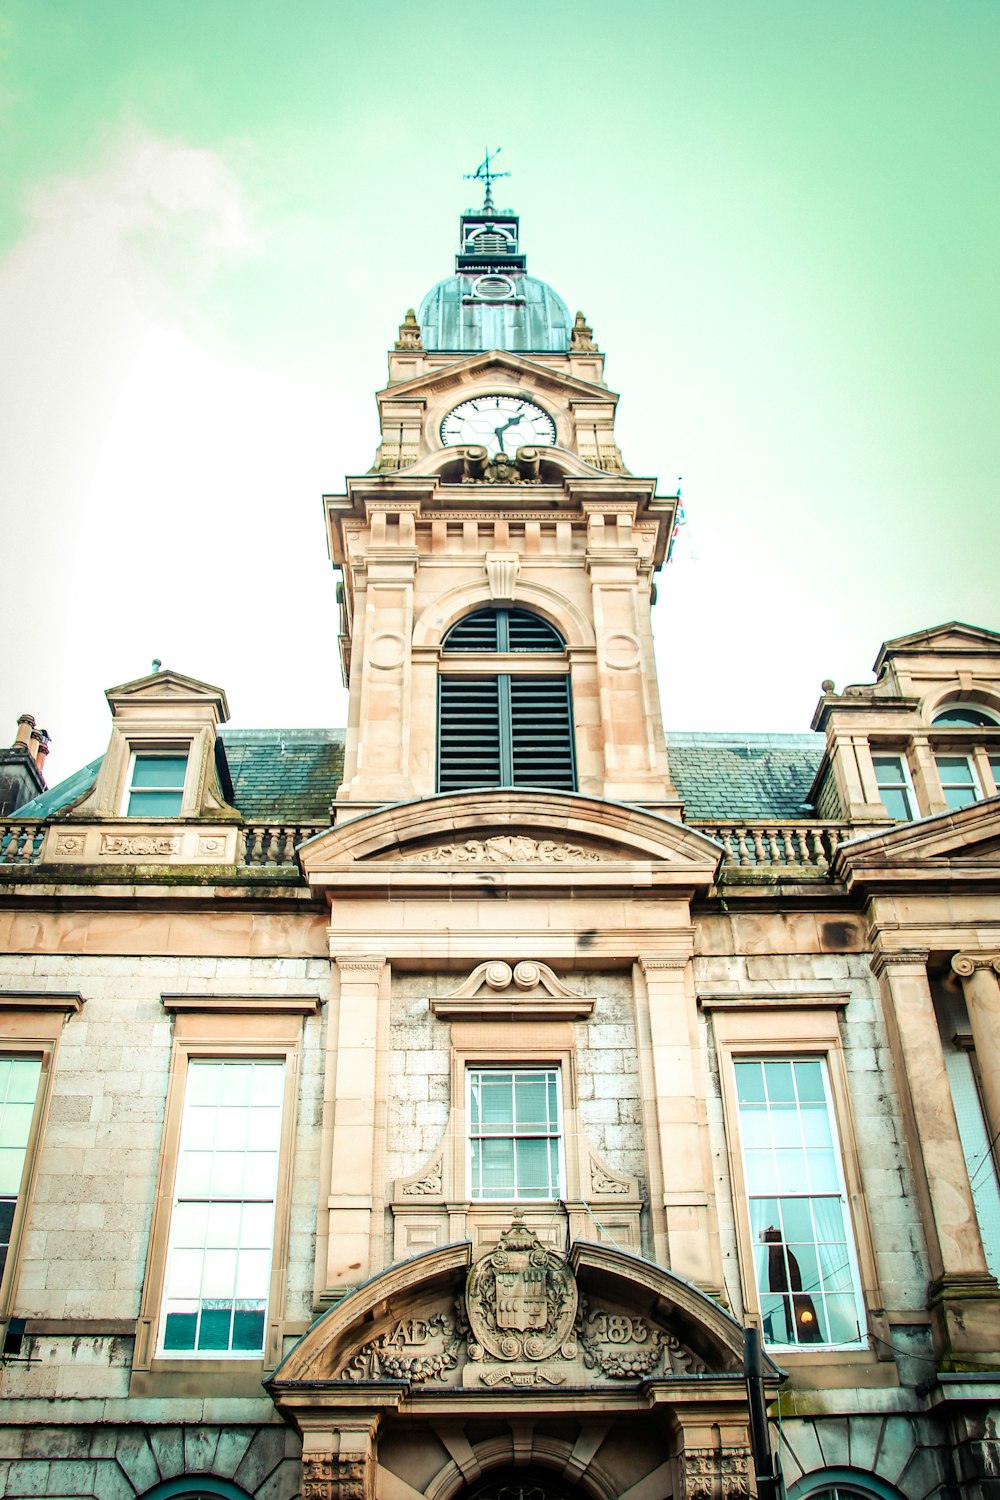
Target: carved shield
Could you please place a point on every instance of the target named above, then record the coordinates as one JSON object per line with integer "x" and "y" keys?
{"x": 521, "y": 1301}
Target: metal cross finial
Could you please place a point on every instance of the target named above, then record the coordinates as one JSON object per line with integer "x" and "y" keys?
{"x": 484, "y": 175}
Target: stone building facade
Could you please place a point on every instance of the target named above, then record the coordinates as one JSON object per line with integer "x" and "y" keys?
{"x": 425, "y": 1109}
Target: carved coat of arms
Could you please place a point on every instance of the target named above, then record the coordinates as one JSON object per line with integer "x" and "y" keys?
{"x": 521, "y": 1301}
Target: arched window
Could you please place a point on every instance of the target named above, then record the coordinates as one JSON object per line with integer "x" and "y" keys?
{"x": 842, "y": 1484}
{"x": 195, "y": 1487}
{"x": 961, "y": 715}
{"x": 504, "y": 723}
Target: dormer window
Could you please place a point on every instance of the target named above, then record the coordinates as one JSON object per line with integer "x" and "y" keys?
{"x": 155, "y": 786}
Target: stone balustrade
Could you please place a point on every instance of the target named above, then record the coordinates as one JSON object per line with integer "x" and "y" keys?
{"x": 759, "y": 843}
{"x": 273, "y": 844}
{"x": 756, "y": 844}
{"x": 20, "y": 843}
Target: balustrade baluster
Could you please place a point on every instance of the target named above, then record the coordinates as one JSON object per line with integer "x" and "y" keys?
{"x": 819, "y": 853}
{"x": 774, "y": 853}
{"x": 741, "y": 844}
{"x": 254, "y": 836}
{"x": 759, "y": 852}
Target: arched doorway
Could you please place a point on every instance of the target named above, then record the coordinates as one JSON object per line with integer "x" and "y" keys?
{"x": 530, "y": 1483}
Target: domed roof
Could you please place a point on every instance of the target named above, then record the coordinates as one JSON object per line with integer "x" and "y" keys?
{"x": 515, "y": 311}
{"x": 491, "y": 302}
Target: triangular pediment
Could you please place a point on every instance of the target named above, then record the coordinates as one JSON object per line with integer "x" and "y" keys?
{"x": 952, "y": 636}
{"x": 962, "y": 844}
{"x": 528, "y": 373}
{"x": 548, "y": 835}
{"x": 170, "y": 687}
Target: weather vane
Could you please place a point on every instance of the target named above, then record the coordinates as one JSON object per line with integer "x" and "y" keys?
{"x": 486, "y": 176}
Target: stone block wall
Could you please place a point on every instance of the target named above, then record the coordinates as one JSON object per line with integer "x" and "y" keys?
{"x": 84, "y": 1252}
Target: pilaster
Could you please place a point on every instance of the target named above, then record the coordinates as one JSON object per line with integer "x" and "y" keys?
{"x": 685, "y": 1227}
{"x": 980, "y": 976}
{"x": 963, "y": 1298}
{"x": 635, "y": 759}
{"x": 351, "y": 1111}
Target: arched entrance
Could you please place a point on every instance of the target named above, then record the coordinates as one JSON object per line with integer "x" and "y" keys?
{"x": 529, "y": 1376}
{"x": 531, "y": 1483}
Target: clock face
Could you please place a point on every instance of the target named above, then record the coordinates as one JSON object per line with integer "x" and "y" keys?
{"x": 500, "y": 424}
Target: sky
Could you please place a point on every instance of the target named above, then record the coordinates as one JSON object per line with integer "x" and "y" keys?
{"x": 781, "y": 218}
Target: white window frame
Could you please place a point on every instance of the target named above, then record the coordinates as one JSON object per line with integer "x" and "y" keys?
{"x": 26, "y": 1146}
{"x": 905, "y": 784}
{"x": 155, "y": 752}
{"x": 184, "y": 1199}
{"x": 766, "y": 1056}
{"x": 976, "y": 783}
{"x": 539, "y": 1070}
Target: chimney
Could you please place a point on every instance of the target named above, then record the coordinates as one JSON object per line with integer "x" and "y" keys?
{"x": 42, "y": 749}
{"x": 22, "y": 766}
{"x": 25, "y": 729}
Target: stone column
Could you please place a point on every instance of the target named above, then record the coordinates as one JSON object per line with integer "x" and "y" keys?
{"x": 350, "y": 1117}
{"x": 980, "y": 976}
{"x": 964, "y": 1299}
{"x": 676, "y": 1124}
{"x": 339, "y": 1463}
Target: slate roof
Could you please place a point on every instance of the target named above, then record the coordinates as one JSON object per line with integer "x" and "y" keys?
{"x": 288, "y": 774}
{"x": 292, "y": 775}
{"x": 63, "y": 794}
{"x": 744, "y": 775}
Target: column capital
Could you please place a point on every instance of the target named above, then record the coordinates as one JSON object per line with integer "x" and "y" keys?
{"x": 898, "y": 958}
{"x": 712, "y": 1472}
{"x": 359, "y": 965}
{"x": 655, "y": 963}
{"x": 966, "y": 964}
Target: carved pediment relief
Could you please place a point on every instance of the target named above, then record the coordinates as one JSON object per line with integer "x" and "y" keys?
{"x": 549, "y": 834}
{"x": 496, "y": 991}
{"x": 521, "y": 1316}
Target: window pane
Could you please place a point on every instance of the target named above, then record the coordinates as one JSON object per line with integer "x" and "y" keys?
{"x": 179, "y": 1330}
{"x": 159, "y": 770}
{"x": 154, "y": 804}
{"x": 215, "y": 1327}
{"x": 897, "y": 802}
{"x": 248, "y": 1328}
{"x": 750, "y": 1082}
{"x": 778, "y": 1080}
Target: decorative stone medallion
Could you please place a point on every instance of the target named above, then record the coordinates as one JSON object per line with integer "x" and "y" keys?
{"x": 521, "y": 1301}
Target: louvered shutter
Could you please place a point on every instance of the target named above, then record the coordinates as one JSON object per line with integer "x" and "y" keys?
{"x": 541, "y": 722}
{"x": 505, "y": 731}
{"x": 503, "y": 630}
{"x": 468, "y": 733}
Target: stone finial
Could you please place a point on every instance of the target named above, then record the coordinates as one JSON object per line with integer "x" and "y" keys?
{"x": 409, "y": 332}
{"x": 828, "y": 685}
{"x": 582, "y": 337}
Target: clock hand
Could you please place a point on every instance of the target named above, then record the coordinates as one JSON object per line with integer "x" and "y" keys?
{"x": 512, "y": 422}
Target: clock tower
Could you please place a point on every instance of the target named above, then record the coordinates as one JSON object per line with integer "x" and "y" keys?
{"x": 498, "y": 557}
